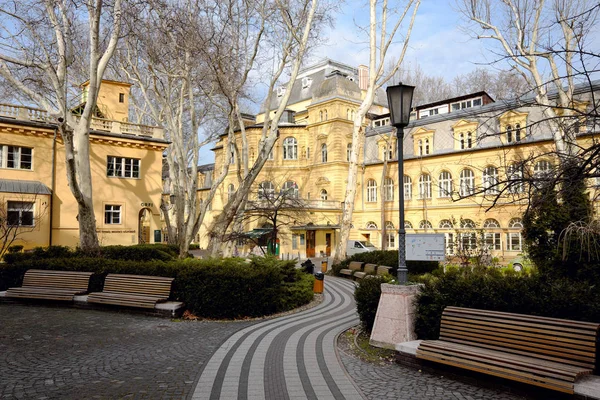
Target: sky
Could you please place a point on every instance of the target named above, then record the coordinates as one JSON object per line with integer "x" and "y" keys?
{"x": 437, "y": 43}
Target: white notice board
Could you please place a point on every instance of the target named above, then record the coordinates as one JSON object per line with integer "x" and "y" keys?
{"x": 425, "y": 247}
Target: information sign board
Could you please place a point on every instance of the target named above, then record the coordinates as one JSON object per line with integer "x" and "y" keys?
{"x": 425, "y": 247}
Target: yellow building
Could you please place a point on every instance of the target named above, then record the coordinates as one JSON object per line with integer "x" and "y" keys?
{"x": 458, "y": 148}
{"x": 126, "y": 164}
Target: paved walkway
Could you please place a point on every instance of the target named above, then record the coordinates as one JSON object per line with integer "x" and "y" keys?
{"x": 293, "y": 357}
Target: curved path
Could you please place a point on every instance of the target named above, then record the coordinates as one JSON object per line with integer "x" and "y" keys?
{"x": 292, "y": 357}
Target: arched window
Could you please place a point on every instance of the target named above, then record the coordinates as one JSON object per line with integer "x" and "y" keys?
{"x": 490, "y": 180}
{"x": 321, "y": 116}
{"x": 407, "y": 182}
{"x": 514, "y": 173}
{"x": 230, "y": 191}
{"x": 467, "y": 224}
{"x": 323, "y": 194}
{"x": 424, "y": 224}
{"x": 517, "y": 132}
{"x": 467, "y": 182}
{"x": 348, "y": 114}
{"x": 371, "y": 190}
{"x": 232, "y": 153}
{"x": 371, "y": 225}
{"x": 514, "y": 239}
{"x": 462, "y": 140}
{"x": 509, "y": 134}
{"x": 468, "y": 240}
{"x": 290, "y": 148}
{"x": 492, "y": 239}
{"x": 469, "y": 140}
{"x": 323, "y": 152}
{"x": 348, "y": 151}
{"x": 420, "y": 147}
{"x": 390, "y": 235}
{"x": 266, "y": 190}
{"x": 426, "y": 146}
{"x": 388, "y": 189}
{"x": 352, "y": 114}
{"x": 445, "y": 184}
{"x": 446, "y": 224}
{"x": 407, "y": 225}
{"x": 325, "y": 114}
{"x": 291, "y": 189}
{"x": 425, "y": 186}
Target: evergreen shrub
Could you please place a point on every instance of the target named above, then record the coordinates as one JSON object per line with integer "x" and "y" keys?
{"x": 493, "y": 289}
{"x": 212, "y": 288}
{"x": 366, "y": 295}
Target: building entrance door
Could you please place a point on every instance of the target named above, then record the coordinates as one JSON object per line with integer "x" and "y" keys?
{"x": 310, "y": 243}
{"x": 328, "y": 244}
{"x": 144, "y": 226}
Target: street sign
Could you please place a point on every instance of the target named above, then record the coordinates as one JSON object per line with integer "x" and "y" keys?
{"x": 425, "y": 247}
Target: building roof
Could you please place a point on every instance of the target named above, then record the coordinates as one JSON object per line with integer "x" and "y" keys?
{"x": 206, "y": 167}
{"x": 24, "y": 187}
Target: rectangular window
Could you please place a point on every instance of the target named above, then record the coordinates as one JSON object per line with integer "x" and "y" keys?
{"x": 15, "y": 157}
{"x": 476, "y": 102}
{"x": 123, "y": 167}
{"x": 492, "y": 241}
{"x": 302, "y": 239}
{"x": 294, "y": 242}
{"x": 455, "y": 106}
{"x": 121, "y": 97}
{"x": 449, "y": 243}
{"x": 514, "y": 241}
{"x": 20, "y": 213}
{"x": 112, "y": 214}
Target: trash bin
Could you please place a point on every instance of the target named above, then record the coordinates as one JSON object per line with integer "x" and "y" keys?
{"x": 308, "y": 267}
{"x": 318, "y": 286}
{"x": 324, "y": 266}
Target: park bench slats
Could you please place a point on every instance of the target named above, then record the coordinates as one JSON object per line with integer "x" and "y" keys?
{"x": 51, "y": 285}
{"x": 546, "y": 352}
{"x": 382, "y": 270}
{"x": 133, "y": 290}
{"x": 353, "y": 267}
{"x": 368, "y": 269}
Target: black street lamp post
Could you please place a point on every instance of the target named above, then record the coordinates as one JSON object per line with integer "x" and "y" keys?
{"x": 400, "y": 102}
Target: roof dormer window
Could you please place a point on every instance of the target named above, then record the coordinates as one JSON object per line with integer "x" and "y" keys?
{"x": 280, "y": 91}
{"x": 306, "y": 81}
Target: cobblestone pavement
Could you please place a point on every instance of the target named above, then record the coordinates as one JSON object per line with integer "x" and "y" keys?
{"x": 66, "y": 353}
{"x": 292, "y": 357}
{"x": 393, "y": 381}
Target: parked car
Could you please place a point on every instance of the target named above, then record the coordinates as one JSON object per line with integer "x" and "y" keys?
{"x": 358, "y": 246}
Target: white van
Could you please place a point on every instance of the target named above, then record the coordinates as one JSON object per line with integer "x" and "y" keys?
{"x": 358, "y": 246}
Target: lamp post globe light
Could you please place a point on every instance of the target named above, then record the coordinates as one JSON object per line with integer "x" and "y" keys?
{"x": 400, "y": 102}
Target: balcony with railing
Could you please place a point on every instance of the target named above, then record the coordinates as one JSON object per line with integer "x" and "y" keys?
{"x": 97, "y": 124}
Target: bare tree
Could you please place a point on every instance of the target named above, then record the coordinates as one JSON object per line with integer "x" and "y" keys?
{"x": 19, "y": 216}
{"x": 39, "y": 45}
{"x": 382, "y": 32}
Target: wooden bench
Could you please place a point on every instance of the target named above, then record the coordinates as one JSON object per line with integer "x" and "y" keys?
{"x": 352, "y": 268}
{"x": 51, "y": 285}
{"x": 547, "y": 352}
{"x": 369, "y": 269}
{"x": 382, "y": 270}
{"x": 133, "y": 290}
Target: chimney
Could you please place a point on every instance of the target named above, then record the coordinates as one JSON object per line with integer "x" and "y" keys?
{"x": 363, "y": 77}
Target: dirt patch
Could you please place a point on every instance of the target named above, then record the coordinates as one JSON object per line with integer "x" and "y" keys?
{"x": 355, "y": 342}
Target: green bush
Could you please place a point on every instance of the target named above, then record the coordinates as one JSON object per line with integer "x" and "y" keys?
{"x": 212, "y": 288}
{"x": 367, "y": 294}
{"x": 388, "y": 258}
{"x": 493, "y": 289}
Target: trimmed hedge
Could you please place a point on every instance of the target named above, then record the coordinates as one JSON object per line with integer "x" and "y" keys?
{"x": 212, "y": 288}
{"x": 491, "y": 289}
{"x": 388, "y": 258}
{"x": 367, "y": 294}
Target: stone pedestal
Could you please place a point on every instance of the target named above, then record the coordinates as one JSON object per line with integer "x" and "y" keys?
{"x": 395, "y": 322}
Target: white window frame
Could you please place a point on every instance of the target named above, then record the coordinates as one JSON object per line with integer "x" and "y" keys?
{"x": 467, "y": 182}
{"x": 290, "y": 148}
{"x": 19, "y": 160}
{"x": 514, "y": 223}
{"x": 113, "y": 214}
{"x": 514, "y": 172}
{"x": 388, "y": 189}
{"x": 324, "y": 153}
{"x": 18, "y": 209}
{"x": 291, "y": 186}
{"x": 323, "y": 195}
{"x": 445, "y": 184}
{"x": 371, "y": 191}
{"x": 425, "y": 186}
{"x": 425, "y": 224}
{"x": 348, "y": 151}
{"x": 266, "y": 190}
{"x": 123, "y": 167}
{"x": 390, "y": 235}
{"x": 490, "y": 180}
{"x": 407, "y": 184}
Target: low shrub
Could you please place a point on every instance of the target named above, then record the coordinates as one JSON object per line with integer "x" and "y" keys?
{"x": 367, "y": 294}
{"x": 494, "y": 289}
{"x": 212, "y": 288}
{"x": 388, "y": 258}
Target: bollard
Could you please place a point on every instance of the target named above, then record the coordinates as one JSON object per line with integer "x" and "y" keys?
{"x": 324, "y": 266}
{"x": 318, "y": 286}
